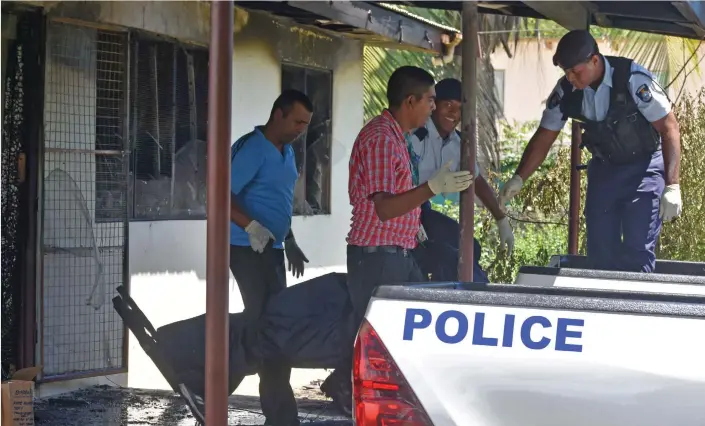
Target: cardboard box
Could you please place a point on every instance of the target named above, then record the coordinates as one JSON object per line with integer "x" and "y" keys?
{"x": 18, "y": 398}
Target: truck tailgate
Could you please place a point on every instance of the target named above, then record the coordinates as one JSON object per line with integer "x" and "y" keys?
{"x": 612, "y": 280}
{"x": 506, "y": 355}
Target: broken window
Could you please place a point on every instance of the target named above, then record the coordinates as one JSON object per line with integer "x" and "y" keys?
{"x": 169, "y": 122}
{"x": 313, "y": 147}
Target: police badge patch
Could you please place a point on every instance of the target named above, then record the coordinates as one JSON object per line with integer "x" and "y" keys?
{"x": 644, "y": 93}
{"x": 553, "y": 100}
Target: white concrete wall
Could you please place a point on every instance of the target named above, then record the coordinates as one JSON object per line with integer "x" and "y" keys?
{"x": 168, "y": 258}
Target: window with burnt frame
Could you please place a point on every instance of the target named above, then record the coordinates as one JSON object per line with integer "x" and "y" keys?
{"x": 169, "y": 122}
{"x": 313, "y": 147}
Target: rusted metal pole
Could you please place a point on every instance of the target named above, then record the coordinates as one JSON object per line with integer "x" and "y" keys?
{"x": 469, "y": 139}
{"x": 218, "y": 210}
{"x": 576, "y": 139}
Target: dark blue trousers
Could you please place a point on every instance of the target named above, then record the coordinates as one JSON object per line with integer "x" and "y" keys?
{"x": 622, "y": 214}
{"x": 439, "y": 255}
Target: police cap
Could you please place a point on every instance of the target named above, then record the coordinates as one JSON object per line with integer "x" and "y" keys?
{"x": 449, "y": 89}
{"x": 575, "y": 48}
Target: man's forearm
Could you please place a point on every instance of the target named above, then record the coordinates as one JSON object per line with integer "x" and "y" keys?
{"x": 484, "y": 192}
{"x": 388, "y": 206}
{"x": 670, "y": 133}
{"x": 237, "y": 216}
{"x": 671, "y": 141}
{"x": 536, "y": 152}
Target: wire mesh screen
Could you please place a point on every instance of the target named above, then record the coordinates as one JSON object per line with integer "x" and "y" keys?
{"x": 170, "y": 91}
{"x": 13, "y": 120}
{"x": 84, "y": 233}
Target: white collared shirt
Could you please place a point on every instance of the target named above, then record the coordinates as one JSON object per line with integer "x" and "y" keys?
{"x": 434, "y": 152}
{"x": 652, "y": 103}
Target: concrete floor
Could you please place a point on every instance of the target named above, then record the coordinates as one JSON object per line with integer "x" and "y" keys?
{"x": 111, "y": 406}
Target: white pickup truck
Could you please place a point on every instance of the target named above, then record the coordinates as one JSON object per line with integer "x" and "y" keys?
{"x": 535, "y": 353}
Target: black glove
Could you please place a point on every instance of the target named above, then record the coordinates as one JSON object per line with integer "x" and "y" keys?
{"x": 295, "y": 257}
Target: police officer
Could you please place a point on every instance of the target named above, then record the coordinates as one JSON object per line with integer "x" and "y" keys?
{"x": 434, "y": 146}
{"x": 633, "y": 136}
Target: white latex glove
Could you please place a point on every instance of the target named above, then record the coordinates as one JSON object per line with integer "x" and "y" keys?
{"x": 510, "y": 190}
{"x": 259, "y": 236}
{"x": 671, "y": 204}
{"x": 447, "y": 181}
{"x": 421, "y": 235}
{"x": 506, "y": 235}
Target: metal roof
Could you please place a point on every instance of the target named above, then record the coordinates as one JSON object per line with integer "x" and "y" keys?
{"x": 369, "y": 21}
{"x": 675, "y": 18}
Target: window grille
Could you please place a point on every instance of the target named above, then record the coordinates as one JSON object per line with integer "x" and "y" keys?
{"x": 84, "y": 233}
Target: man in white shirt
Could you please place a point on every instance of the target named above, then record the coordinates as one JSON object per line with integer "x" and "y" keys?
{"x": 437, "y": 145}
{"x": 634, "y": 138}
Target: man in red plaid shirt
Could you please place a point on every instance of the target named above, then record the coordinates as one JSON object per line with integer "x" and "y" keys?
{"x": 386, "y": 216}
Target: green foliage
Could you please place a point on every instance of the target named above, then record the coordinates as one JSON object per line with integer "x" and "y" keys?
{"x": 684, "y": 239}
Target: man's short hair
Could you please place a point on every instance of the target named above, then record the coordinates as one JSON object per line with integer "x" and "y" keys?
{"x": 288, "y": 99}
{"x": 407, "y": 81}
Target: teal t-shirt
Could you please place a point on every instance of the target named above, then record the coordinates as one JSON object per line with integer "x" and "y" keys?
{"x": 438, "y": 198}
{"x": 414, "y": 160}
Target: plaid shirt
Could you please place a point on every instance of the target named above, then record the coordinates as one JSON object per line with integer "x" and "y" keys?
{"x": 380, "y": 162}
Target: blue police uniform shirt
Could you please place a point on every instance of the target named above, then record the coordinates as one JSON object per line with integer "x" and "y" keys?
{"x": 649, "y": 97}
{"x": 262, "y": 180}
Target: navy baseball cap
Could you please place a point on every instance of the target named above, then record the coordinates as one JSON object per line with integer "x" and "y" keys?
{"x": 449, "y": 89}
{"x": 575, "y": 48}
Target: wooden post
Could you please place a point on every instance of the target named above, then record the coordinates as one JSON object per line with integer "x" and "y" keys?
{"x": 218, "y": 210}
{"x": 576, "y": 139}
{"x": 469, "y": 138}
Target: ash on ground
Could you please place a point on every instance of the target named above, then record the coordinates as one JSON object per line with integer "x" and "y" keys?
{"x": 113, "y": 406}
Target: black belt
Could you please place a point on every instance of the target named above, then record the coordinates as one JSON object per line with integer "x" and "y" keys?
{"x": 381, "y": 249}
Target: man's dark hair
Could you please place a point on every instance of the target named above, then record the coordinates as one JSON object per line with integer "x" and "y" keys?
{"x": 288, "y": 99}
{"x": 407, "y": 81}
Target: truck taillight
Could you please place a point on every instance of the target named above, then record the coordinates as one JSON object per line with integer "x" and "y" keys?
{"x": 381, "y": 394}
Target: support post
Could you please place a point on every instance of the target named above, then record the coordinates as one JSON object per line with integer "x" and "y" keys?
{"x": 218, "y": 210}
{"x": 576, "y": 139}
{"x": 469, "y": 138}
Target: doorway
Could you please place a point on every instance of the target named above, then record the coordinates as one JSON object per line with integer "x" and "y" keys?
{"x": 22, "y": 72}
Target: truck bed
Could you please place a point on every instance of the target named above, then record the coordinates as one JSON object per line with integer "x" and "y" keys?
{"x": 669, "y": 267}
{"x": 685, "y": 283}
{"x": 510, "y": 355}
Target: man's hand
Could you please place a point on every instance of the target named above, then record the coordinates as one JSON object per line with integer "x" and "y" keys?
{"x": 447, "y": 181}
{"x": 671, "y": 204}
{"x": 259, "y": 236}
{"x": 510, "y": 190}
{"x": 506, "y": 235}
{"x": 295, "y": 257}
{"x": 421, "y": 236}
